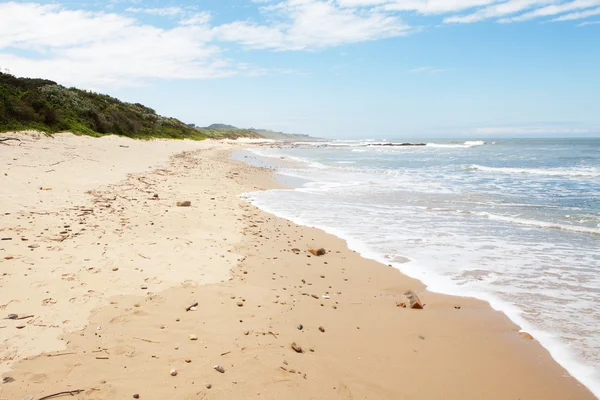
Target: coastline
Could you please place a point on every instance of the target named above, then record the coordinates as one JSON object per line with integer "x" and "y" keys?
{"x": 370, "y": 348}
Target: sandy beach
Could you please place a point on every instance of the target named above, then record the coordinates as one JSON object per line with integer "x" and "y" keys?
{"x": 109, "y": 289}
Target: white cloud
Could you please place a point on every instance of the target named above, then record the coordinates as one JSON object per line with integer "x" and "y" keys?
{"x": 553, "y": 9}
{"x": 497, "y": 10}
{"x": 435, "y": 6}
{"x": 427, "y": 69}
{"x": 578, "y": 15}
{"x": 94, "y": 49}
{"x": 162, "y": 11}
{"x": 98, "y": 49}
{"x": 312, "y": 24}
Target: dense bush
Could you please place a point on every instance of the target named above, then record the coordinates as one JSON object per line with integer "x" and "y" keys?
{"x": 44, "y": 105}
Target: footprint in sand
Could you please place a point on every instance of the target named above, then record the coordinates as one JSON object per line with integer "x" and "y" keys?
{"x": 48, "y": 302}
{"x": 69, "y": 277}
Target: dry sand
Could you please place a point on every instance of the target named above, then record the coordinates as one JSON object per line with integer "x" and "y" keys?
{"x": 108, "y": 275}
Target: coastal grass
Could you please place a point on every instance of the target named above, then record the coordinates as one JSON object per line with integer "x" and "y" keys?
{"x": 44, "y": 105}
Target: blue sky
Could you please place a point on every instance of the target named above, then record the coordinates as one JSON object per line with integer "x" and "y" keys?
{"x": 331, "y": 68}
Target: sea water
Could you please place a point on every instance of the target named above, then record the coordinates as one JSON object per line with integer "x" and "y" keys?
{"x": 513, "y": 222}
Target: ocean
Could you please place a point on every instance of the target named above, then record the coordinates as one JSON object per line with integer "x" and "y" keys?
{"x": 514, "y": 222}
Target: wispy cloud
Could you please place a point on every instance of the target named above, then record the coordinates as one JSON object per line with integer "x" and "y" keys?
{"x": 427, "y": 69}
{"x": 162, "y": 11}
{"x": 121, "y": 48}
{"x": 553, "y": 9}
{"x": 578, "y": 15}
{"x": 311, "y": 24}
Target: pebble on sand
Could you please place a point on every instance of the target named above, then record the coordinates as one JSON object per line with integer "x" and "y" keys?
{"x": 296, "y": 348}
{"x": 174, "y": 372}
{"x": 219, "y": 369}
{"x": 526, "y": 335}
{"x": 317, "y": 252}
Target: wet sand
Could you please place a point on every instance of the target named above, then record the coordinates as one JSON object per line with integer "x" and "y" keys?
{"x": 108, "y": 276}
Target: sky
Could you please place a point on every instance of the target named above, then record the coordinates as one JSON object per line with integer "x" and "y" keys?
{"x": 328, "y": 68}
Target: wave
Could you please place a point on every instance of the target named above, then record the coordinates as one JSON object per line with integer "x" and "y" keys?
{"x": 465, "y": 145}
{"x": 541, "y": 224}
{"x": 581, "y": 172}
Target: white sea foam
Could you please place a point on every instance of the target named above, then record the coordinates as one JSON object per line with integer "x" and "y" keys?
{"x": 465, "y": 145}
{"x": 566, "y": 172}
{"x": 541, "y": 224}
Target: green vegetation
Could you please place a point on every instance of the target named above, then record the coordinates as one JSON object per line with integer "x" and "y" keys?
{"x": 234, "y": 133}
{"x": 43, "y": 105}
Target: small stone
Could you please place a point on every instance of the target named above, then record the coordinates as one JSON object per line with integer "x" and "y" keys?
{"x": 322, "y": 329}
{"x": 296, "y": 348}
{"x": 300, "y": 327}
{"x": 12, "y": 316}
{"x": 8, "y": 379}
{"x": 219, "y": 369}
{"x": 174, "y": 372}
{"x": 184, "y": 203}
{"x": 526, "y": 335}
{"x": 143, "y": 287}
{"x": 188, "y": 361}
{"x": 246, "y": 333}
{"x": 136, "y": 396}
{"x": 193, "y": 337}
{"x": 317, "y": 252}
{"x": 208, "y": 386}
{"x": 155, "y": 195}
{"x": 33, "y": 246}
{"x": 115, "y": 269}
{"x": 240, "y": 304}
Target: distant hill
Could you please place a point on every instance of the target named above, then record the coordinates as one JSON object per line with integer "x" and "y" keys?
{"x": 232, "y": 132}
{"x": 44, "y": 105}
{"x": 221, "y": 127}
{"x": 268, "y": 134}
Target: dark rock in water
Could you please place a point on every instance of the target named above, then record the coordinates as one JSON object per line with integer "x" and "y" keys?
{"x": 398, "y": 144}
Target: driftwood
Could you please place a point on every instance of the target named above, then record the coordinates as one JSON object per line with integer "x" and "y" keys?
{"x": 2, "y": 140}
{"x": 70, "y": 392}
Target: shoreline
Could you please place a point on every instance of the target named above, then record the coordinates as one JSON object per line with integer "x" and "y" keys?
{"x": 407, "y": 266}
{"x": 438, "y": 352}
